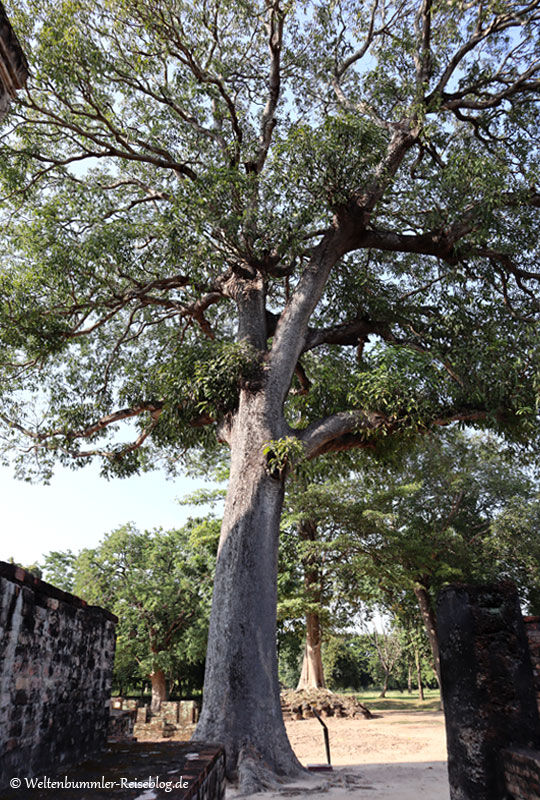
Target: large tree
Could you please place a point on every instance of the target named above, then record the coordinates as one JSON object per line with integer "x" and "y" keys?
{"x": 210, "y": 207}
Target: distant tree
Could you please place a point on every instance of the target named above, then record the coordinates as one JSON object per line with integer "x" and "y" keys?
{"x": 312, "y": 672}
{"x": 458, "y": 507}
{"x": 58, "y": 568}
{"x": 346, "y": 659}
{"x": 158, "y": 583}
{"x": 417, "y": 664}
{"x": 387, "y": 653}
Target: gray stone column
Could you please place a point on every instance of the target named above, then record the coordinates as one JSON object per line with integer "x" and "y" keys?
{"x": 487, "y": 686}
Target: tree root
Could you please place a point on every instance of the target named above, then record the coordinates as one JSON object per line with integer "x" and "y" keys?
{"x": 254, "y": 775}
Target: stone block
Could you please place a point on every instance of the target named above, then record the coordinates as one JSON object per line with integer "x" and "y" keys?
{"x": 487, "y": 686}
{"x": 169, "y": 710}
{"x": 55, "y": 669}
{"x": 522, "y": 773}
{"x": 188, "y": 712}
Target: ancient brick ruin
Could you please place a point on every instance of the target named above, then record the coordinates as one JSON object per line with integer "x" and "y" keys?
{"x": 489, "y": 693}
{"x": 532, "y": 630}
{"x": 13, "y": 65}
{"x": 176, "y": 718}
{"x": 56, "y": 659}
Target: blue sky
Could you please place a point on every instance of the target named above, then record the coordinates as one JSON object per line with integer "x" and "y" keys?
{"x": 79, "y": 507}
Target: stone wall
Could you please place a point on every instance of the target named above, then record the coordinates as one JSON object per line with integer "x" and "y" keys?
{"x": 522, "y": 773}
{"x": 522, "y": 766}
{"x": 487, "y": 687}
{"x": 532, "y": 629}
{"x": 121, "y": 725}
{"x": 56, "y": 659}
{"x": 174, "y": 717}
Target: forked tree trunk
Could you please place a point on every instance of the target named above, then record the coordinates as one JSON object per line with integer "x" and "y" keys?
{"x": 312, "y": 675}
{"x": 159, "y": 689}
{"x": 241, "y": 703}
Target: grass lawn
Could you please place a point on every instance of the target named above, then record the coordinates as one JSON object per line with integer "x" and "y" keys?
{"x": 400, "y": 701}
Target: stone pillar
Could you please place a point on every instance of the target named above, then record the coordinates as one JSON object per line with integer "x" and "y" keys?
{"x": 487, "y": 686}
{"x": 532, "y": 629}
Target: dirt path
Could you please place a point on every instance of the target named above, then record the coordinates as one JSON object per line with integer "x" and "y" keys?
{"x": 397, "y": 756}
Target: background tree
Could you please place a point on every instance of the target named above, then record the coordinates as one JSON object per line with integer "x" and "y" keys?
{"x": 417, "y": 663}
{"x": 58, "y": 568}
{"x": 309, "y": 559}
{"x": 346, "y": 659}
{"x": 387, "y": 654}
{"x": 207, "y": 205}
{"x": 158, "y": 583}
{"x": 452, "y": 509}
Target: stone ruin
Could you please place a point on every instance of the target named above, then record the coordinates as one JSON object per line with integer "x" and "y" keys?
{"x": 490, "y": 691}
{"x": 532, "y": 631}
{"x": 56, "y": 660}
{"x": 299, "y": 704}
{"x": 134, "y": 718}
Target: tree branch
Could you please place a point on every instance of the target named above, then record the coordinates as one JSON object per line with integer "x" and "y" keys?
{"x": 348, "y": 333}
{"x": 275, "y": 33}
{"x": 155, "y": 156}
{"x": 512, "y": 19}
{"x": 348, "y": 429}
{"x": 323, "y": 435}
{"x": 423, "y": 32}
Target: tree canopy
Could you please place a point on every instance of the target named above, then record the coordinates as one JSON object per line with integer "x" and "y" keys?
{"x": 170, "y": 158}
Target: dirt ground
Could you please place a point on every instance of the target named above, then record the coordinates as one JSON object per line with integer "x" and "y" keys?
{"x": 396, "y": 756}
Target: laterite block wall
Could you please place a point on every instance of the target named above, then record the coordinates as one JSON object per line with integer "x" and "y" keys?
{"x": 56, "y": 659}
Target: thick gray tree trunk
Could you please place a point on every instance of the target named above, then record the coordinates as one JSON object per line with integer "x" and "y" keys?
{"x": 159, "y": 689}
{"x": 241, "y": 704}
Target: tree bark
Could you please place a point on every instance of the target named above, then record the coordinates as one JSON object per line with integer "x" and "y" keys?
{"x": 312, "y": 675}
{"x": 385, "y": 685}
{"x": 159, "y": 689}
{"x": 241, "y": 702}
{"x": 430, "y": 622}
